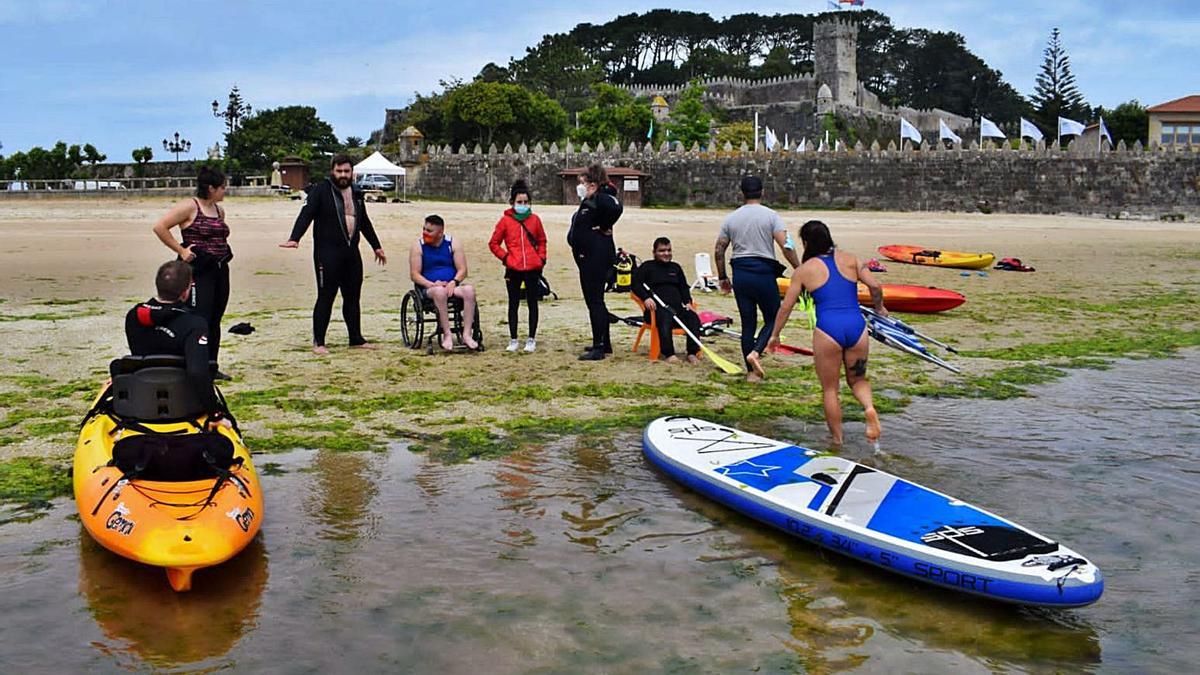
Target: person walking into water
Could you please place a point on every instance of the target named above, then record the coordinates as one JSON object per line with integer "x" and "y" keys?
{"x": 205, "y": 247}
{"x": 339, "y": 212}
{"x": 591, "y": 242}
{"x": 840, "y": 338}
{"x": 519, "y": 241}
{"x": 753, "y": 230}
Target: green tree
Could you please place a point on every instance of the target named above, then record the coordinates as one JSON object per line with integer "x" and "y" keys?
{"x": 614, "y": 117}
{"x": 560, "y": 69}
{"x": 777, "y": 63}
{"x": 1055, "y": 94}
{"x": 690, "y": 121}
{"x": 38, "y": 163}
{"x": 1127, "y": 122}
{"x": 141, "y": 156}
{"x": 93, "y": 156}
{"x": 354, "y": 142}
{"x": 273, "y": 134}
{"x": 489, "y": 112}
{"x": 736, "y": 134}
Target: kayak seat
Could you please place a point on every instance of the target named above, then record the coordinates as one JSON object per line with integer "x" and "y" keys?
{"x": 166, "y": 457}
{"x": 153, "y": 389}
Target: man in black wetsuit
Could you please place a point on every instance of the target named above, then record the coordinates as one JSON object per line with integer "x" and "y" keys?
{"x": 165, "y": 325}
{"x": 339, "y": 212}
{"x": 591, "y": 242}
{"x": 665, "y": 277}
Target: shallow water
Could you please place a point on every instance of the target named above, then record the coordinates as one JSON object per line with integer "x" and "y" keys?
{"x": 582, "y": 558}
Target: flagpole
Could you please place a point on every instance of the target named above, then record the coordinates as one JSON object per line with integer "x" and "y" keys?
{"x": 756, "y": 131}
{"x": 1099, "y": 136}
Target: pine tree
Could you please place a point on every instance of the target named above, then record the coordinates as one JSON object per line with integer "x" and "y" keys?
{"x": 1055, "y": 94}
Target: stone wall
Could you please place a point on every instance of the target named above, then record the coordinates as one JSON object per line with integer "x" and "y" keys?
{"x": 1139, "y": 182}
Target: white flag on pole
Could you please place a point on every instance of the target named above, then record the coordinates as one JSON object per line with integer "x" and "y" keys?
{"x": 988, "y": 129}
{"x": 945, "y": 133}
{"x": 803, "y": 145}
{"x": 1068, "y": 127}
{"x": 1030, "y": 130}
{"x": 770, "y": 139}
{"x": 907, "y": 130}
{"x": 1104, "y": 132}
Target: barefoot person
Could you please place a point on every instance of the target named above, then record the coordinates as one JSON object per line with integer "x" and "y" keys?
{"x": 753, "y": 230}
{"x": 519, "y": 241}
{"x": 340, "y": 214}
{"x": 840, "y": 336}
{"x": 205, "y": 247}
{"x": 438, "y": 268}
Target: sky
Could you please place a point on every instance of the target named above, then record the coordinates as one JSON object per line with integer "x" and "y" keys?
{"x": 122, "y": 74}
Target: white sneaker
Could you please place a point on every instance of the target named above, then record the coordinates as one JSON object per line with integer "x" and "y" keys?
{"x": 530, "y": 345}
{"x": 513, "y": 346}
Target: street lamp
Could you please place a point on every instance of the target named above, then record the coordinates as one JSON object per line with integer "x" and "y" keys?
{"x": 234, "y": 111}
{"x": 177, "y": 146}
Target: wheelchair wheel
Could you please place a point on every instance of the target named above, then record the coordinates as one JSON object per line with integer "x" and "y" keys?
{"x": 476, "y": 330}
{"x": 412, "y": 320}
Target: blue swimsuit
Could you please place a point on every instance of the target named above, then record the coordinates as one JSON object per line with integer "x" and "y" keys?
{"x": 838, "y": 315}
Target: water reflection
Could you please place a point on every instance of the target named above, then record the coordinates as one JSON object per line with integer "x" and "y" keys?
{"x": 140, "y": 615}
{"x": 346, "y": 482}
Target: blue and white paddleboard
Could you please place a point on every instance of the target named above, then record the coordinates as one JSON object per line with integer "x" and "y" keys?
{"x": 871, "y": 515}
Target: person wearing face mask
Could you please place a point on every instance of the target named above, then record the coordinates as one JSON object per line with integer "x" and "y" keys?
{"x": 519, "y": 241}
{"x": 438, "y": 268}
{"x": 591, "y": 240}
{"x": 667, "y": 280}
{"x": 581, "y": 188}
{"x": 338, "y": 213}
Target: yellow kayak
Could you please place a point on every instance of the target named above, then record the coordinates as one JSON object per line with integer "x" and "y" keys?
{"x": 919, "y": 255}
{"x": 176, "y": 495}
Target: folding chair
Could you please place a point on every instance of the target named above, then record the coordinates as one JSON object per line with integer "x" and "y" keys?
{"x": 705, "y": 279}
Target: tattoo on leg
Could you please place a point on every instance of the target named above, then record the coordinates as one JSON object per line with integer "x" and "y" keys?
{"x": 859, "y": 368}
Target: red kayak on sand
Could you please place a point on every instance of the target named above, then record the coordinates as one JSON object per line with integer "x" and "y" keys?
{"x": 914, "y": 299}
{"x": 903, "y": 297}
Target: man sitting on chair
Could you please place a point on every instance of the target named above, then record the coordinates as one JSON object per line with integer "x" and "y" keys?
{"x": 438, "y": 267}
{"x": 164, "y": 325}
{"x": 666, "y": 278}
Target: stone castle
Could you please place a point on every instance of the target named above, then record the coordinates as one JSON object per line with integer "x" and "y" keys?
{"x": 795, "y": 104}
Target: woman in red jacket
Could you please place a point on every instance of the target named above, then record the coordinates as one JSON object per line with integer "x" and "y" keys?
{"x": 519, "y": 241}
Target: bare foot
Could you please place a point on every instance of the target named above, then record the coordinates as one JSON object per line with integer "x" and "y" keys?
{"x": 470, "y": 342}
{"x": 365, "y": 345}
{"x": 752, "y": 377}
{"x": 873, "y": 428}
{"x": 756, "y": 364}
{"x": 693, "y": 359}
{"x": 448, "y": 343}
{"x": 320, "y": 350}
{"x": 672, "y": 359}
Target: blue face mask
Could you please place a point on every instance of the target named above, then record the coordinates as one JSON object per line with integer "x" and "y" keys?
{"x": 521, "y": 208}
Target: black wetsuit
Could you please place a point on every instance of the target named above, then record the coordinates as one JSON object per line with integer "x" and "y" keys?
{"x": 154, "y": 327}
{"x": 669, "y": 283}
{"x": 335, "y": 255}
{"x": 591, "y": 241}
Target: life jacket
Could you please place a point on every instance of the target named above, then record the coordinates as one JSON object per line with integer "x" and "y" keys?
{"x": 625, "y": 265}
{"x": 1012, "y": 265}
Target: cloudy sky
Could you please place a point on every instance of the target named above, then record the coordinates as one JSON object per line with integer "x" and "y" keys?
{"x": 126, "y": 73}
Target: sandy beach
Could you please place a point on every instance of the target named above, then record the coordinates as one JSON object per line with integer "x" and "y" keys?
{"x": 71, "y": 269}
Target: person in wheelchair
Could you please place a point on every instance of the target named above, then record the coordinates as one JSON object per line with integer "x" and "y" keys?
{"x": 666, "y": 279}
{"x": 163, "y": 325}
{"x": 438, "y": 268}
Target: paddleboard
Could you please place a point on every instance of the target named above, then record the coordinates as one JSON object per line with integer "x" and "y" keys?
{"x": 902, "y": 297}
{"x": 871, "y": 515}
{"x": 920, "y": 255}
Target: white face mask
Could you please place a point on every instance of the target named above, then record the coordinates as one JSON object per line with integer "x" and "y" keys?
{"x": 581, "y": 190}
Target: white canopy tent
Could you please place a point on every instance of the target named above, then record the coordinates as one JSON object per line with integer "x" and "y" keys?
{"x": 379, "y": 164}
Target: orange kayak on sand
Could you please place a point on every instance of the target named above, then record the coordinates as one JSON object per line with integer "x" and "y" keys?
{"x": 920, "y": 255}
{"x": 903, "y": 297}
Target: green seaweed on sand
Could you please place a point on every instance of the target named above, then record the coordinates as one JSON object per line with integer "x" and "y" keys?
{"x": 32, "y": 478}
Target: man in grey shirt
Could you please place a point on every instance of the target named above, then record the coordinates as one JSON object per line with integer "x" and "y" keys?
{"x": 753, "y": 230}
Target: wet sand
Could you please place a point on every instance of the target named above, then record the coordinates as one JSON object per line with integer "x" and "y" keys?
{"x": 70, "y": 270}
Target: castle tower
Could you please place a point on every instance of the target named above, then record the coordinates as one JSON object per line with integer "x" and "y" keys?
{"x": 660, "y": 109}
{"x": 835, "y": 42}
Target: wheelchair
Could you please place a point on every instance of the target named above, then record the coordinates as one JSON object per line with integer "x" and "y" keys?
{"x": 418, "y": 314}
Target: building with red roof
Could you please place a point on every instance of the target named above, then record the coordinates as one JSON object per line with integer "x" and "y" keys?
{"x": 1176, "y": 124}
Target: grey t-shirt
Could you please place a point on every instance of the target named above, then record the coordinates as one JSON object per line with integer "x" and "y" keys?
{"x": 751, "y": 229}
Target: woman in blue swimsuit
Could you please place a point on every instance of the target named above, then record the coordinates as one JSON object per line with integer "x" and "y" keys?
{"x": 840, "y": 337}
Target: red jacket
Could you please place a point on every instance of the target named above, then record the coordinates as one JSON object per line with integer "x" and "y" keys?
{"x": 517, "y": 253}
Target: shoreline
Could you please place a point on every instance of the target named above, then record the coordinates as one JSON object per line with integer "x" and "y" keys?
{"x": 1103, "y": 289}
